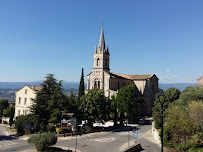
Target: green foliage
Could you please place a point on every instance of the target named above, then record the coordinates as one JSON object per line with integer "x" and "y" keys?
{"x": 81, "y": 90}
{"x": 189, "y": 94}
{"x": 50, "y": 102}
{"x": 40, "y": 108}
{"x": 43, "y": 140}
{"x": 28, "y": 124}
{"x": 57, "y": 104}
{"x": 72, "y": 103}
{"x": 94, "y": 105}
{"x": 128, "y": 102}
{"x": 183, "y": 122}
{"x": 3, "y": 105}
{"x": 172, "y": 94}
{"x": 11, "y": 115}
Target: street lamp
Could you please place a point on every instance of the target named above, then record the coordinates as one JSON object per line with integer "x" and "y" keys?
{"x": 162, "y": 94}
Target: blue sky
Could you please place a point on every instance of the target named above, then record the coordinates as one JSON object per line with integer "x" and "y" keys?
{"x": 144, "y": 36}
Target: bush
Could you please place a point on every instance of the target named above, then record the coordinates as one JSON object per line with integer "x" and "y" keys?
{"x": 43, "y": 140}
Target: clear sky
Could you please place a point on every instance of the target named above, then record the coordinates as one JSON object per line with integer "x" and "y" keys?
{"x": 38, "y": 37}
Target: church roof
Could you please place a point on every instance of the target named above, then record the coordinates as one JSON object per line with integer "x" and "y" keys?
{"x": 132, "y": 76}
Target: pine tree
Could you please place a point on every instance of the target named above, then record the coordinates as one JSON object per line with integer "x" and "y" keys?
{"x": 81, "y": 90}
{"x": 57, "y": 104}
{"x": 40, "y": 108}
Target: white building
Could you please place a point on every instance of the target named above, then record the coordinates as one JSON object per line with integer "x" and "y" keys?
{"x": 24, "y": 99}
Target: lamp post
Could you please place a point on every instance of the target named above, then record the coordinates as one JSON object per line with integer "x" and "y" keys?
{"x": 162, "y": 94}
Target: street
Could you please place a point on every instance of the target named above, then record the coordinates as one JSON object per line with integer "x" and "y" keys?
{"x": 115, "y": 141}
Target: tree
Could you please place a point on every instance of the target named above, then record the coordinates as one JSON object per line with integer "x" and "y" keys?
{"x": 189, "y": 94}
{"x": 81, "y": 90}
{"x": 183, "y": 121}
{"x": 9, "y": 112}
{"x": 57, "y": 104}
{"x": 195, "y": 110}
{"x": 94, "y": 105}
{"x": 129, "y": 102}
{"x": 72, "y": 103}
{"x": 172, "y": 94}
{"x": 3, "y": 105}
{"x": 11, "y": 116}
{"x": 114, "y": 108}
{"x": 41, "y": 106}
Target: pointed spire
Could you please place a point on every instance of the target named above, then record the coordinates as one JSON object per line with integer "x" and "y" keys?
{"x": 107, "y": 51}
{"x": 95, "y": 49}
{"x": 101, "y": 47}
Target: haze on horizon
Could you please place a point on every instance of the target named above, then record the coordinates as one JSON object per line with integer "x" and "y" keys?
{"x": 59, "y": 37}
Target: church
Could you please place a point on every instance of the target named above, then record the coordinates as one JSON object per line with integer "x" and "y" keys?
{"x": 110, "y": 82}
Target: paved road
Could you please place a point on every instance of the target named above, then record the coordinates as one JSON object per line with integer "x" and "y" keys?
{"x": 112, "y": 142}
{"x": 115, "y": 141}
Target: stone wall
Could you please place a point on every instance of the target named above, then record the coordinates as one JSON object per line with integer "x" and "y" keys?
{"x": 155, "y": 133}
{"x": 200, "y": 81}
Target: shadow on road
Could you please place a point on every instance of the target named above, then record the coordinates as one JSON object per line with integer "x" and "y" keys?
{"x": 11, "y": 137}
{"x": 126, "y": 128}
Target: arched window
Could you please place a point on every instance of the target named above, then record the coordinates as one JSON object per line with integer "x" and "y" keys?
{"x": 96, "y": 84}
{"x": 97, "y": 61}
{"x": 99, "y": 84}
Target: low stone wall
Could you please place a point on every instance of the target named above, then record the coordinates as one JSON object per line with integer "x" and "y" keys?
{"x": 155, "y": 133}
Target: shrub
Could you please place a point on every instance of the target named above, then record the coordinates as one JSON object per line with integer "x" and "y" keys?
{"x": 43, "y": 140}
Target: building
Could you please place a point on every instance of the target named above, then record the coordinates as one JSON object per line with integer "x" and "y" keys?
{"x": 110, "y": 83}
{"x": 24, "y": 99}
{"x": 200, "y": 81}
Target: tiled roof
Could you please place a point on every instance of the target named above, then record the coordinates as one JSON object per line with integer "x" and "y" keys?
{"x": 132, "y": 76}
{"x": 36, "y": 88}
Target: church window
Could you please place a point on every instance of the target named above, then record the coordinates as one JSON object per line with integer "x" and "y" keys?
{"x": 99, "y": 84}
{"x": 97, "y": 61}
{"x": 95, "y": 84}
{"x": 118, "y": 85}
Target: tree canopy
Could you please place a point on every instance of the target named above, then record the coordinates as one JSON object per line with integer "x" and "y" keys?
{"x": 94, "y": 105}
{"x": 81, "y": 90}
{"x": 183, "y": 120}
{"x": 3, "y": 105}
{"x": 172, "y": 94}
{"x": 129, "y": 103}
{"x": 50, "y": 101}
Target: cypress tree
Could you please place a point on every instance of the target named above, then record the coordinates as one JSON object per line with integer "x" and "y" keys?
{"x": 81, "y": 90}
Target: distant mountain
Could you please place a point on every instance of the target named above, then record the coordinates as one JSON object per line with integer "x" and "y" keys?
{"x": 180, "y": 86}
{"x": 19, "y": 85}
{"x": 75, "y": 85}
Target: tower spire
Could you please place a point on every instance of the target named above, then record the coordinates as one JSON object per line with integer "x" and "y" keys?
{"x": 95, "y": 49}
{"x": 101, "y": 47}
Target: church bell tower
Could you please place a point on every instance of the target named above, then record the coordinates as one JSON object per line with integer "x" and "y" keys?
{"x": 101, "y": 55}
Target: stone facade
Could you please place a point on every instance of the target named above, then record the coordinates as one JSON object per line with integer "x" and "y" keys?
{"x": 25, "y": 99}
{"x": 110, "y": 83}
{"x": 200, "y": 81}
